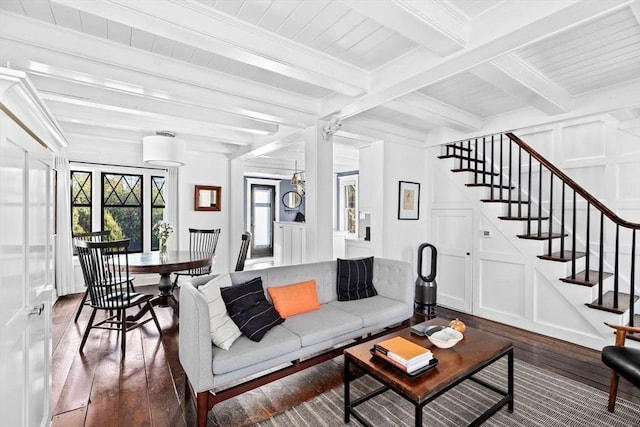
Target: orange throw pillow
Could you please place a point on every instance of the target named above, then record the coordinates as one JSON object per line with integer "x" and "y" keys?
{"x": 294, "y": 299}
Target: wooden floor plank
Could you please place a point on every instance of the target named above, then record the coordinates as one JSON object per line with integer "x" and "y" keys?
{"x": 147, "y": 387}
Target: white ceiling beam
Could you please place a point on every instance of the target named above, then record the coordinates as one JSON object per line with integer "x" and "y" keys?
{"x": 535, "y": 23}
{"x": 89, "y": 113}
{"x": 513, "y": 75}
{"x": 103, "y": 62}
{"x": 635, "y": 9}
{"x": 197, "y": 25}
{"x": 256, "y": 150}
{"x": 630, "y": 124}
{"x": 376, "y": 122}
{"x": 71, "y": 91}
{"x": 429, "y": 23}
{"x": 429, "y": 109}
{"x": 373, "y": 127}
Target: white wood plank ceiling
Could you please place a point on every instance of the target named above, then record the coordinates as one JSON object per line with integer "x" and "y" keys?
{"x": 232, "y": 76}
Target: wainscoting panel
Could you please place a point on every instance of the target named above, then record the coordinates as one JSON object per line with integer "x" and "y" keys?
{"x": 502, "y": 287}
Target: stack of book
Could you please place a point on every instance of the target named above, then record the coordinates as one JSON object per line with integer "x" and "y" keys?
{"x": 404, "y": 354}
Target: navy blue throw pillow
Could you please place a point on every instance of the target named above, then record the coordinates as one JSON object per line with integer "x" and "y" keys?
{"x": 355, "y": 279}
{"x": 249, "y": 309}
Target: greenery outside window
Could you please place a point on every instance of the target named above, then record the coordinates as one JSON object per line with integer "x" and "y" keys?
{"x": 80, "y": 202}
{"x": 157, "y": 206}
{"x": 122, "y": 208}
{"x": 126, "y": 201}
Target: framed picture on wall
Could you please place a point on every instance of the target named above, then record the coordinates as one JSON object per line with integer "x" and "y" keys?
{"x": 409, "y": 200}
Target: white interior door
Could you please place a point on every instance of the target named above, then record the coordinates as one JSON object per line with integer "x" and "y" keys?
{"x": 26, "y": 279}
{"x": 452, "y": 233}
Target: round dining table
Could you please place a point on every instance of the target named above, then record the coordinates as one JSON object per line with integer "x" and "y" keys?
{"x": 171, "y": 262}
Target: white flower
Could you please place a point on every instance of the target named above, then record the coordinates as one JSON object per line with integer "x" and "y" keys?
{"x": 163, "y": 230}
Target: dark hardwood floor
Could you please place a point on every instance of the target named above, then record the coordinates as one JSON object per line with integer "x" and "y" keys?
{"x": 147, "y": 388}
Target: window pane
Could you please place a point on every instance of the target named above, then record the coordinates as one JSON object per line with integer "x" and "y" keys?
{"x": 261, "y": 226}
{"x": 122, "y": 208}
{"x": 80, "y": 202}
{"x": 157, "y": 206}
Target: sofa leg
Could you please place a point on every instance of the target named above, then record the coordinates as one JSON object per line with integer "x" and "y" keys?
{"x": 187, "y": 388}
{"x": 202, "y": 408}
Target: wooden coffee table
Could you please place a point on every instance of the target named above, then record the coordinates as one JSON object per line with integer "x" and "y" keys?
{"x": 473, "y": 353}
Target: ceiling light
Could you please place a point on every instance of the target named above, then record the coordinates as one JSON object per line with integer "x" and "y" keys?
{"x": 298, "y": 180}
{"x": 163, "y": 149}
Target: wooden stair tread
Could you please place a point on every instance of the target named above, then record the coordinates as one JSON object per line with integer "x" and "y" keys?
{"x": 458, "y": 156}
{"x": 580, "y": 278}
{"x": 515, "y": 202}
{"x": 541, "y": 236}
{"x": 457, "y": 147}
{"x": 475, "y": 171}
{"x": 561, "y": 257}
{"x": 522, "y": 218}
{"x": 496, "y": 186}
{"x": 607, "y": 303}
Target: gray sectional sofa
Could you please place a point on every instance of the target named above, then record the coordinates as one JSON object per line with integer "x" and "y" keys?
{"x": 301, "y": 341}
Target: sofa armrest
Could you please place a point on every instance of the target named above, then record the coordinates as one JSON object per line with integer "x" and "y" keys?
{"x": 194, "y": 339}
{"x": 395, "y": 280}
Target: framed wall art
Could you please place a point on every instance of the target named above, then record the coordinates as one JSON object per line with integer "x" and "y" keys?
{"x": 409, "y": 200}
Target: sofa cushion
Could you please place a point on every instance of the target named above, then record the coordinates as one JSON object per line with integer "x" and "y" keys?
{"x": 223, "y": 330}
{"x": 294, "y": 299}
{"x": 322, "y": 324}
{"x": 374, "y": 310}
{"x": 355, "y": 279}
{"x": 249, "y": 309}
{"x": 245, "y": 352}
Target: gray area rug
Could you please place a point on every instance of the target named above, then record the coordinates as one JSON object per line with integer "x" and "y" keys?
{"x": 542, "y": 398}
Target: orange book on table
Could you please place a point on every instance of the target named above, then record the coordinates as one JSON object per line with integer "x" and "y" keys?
{"x": 403, "y": 348}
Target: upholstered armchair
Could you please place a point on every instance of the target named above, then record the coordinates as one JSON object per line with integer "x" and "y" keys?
{"x": 624, "y": 361}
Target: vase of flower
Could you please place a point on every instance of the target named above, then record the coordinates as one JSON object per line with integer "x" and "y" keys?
{"x": 162, "y": 230}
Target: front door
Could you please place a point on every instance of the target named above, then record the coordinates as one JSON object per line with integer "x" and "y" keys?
{"x": 263, "y": 213}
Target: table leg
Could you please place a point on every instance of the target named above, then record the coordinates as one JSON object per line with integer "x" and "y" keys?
{"x": 510, "y": 380}
{"x": 347, "y": 379}
{"x": 165, "y": 298}
{"x": 418, "y": 416}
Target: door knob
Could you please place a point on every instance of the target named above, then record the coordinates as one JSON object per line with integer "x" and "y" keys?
{"x": 36, "y": 310}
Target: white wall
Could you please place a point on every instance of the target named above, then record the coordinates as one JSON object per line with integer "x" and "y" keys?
{"x": 206, "y": 169}
{"x": 401, "y": 238}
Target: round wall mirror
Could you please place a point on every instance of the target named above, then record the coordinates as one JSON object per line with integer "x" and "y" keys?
{"x": 291, "y": 199}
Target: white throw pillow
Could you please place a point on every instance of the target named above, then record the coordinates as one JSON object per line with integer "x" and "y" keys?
{"x": 223, "y": 330}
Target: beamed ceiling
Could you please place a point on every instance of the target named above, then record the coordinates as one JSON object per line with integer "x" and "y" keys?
{"x": 244, "y": 77}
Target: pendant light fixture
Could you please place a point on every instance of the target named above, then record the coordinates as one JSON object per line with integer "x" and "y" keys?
{"x": 298, "y": 180}
{"x": 163, "y": 149}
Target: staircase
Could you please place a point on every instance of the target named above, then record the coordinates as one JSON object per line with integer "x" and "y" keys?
{"x": 594, "y": 247}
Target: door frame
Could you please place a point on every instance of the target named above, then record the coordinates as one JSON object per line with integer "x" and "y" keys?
{"x": 265, "y": 251}
{"x": 247, "y": 199}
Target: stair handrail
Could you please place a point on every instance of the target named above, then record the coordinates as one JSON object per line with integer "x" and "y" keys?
{"x": 575, "y": 186}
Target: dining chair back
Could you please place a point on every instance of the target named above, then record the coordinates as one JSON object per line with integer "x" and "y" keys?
{"x": 200, "y": 240}
{"x": 105, "y": 267}
{"x": 92, "y": 236}
{"x": 244, "y": 248}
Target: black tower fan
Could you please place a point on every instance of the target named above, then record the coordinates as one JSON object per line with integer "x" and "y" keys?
{"x": 426, "y": 286}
